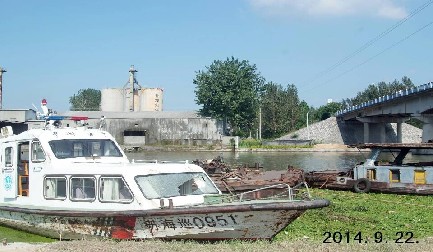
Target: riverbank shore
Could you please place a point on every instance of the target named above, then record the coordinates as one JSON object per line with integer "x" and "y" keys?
{"x": 314, "y": 148}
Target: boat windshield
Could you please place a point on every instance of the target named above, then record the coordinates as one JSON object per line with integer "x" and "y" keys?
{"x": 71, "y": 148}
{"x": 175, "y": 184}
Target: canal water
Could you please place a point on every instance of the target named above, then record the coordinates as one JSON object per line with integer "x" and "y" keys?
{"x": 308, "y": 161}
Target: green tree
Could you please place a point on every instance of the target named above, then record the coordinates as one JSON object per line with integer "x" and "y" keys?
{"x": 282, "y": 111}
{"x": 375, "y": 91}
{"x": 326, "y": 111}
{"x": 230, "y": 90}
{"x": 272, "y": 110}
{"x": 86, "y": 100}
{"x": 293, "y": 109}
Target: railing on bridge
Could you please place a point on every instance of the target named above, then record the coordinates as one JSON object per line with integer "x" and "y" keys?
{"x": 386, "y": 98}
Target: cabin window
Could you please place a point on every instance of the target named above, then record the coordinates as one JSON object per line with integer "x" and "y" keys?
{"x": 78, "y": 149}
{"x": 96, "y": 148}
{"x": 371, "y": 174}
{"x": 114, "y": 189}
{"x": 175, "y": 184}
{"x": 55, "y": 188}
{"x": 419, "y": 177}
{"x": 8, "y": 156}
{"x": 82, "y": 188}
{"x": 38, "y": 154}
{"x": 71, "y": 148}
{"x": 394, "y": 175}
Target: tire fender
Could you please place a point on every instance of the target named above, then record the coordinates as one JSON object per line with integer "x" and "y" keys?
{"x": 362, "y": 185}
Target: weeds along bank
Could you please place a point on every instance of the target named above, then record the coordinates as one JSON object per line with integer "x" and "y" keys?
{"x": 365, "y": 218}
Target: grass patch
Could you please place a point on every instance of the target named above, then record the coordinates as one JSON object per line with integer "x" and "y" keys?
{"x": 250, "y": 143}
{"x": 372, "y": 215}
{"x": 13, "y": 235}
{"x": 284, "y": 147}
{"x": 258, "y": 144}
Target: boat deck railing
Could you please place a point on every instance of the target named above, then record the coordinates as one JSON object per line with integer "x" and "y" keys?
{"x": 292, "y": 192}
{"x": 289, "y": 190}
{"x": 154, "y": 161}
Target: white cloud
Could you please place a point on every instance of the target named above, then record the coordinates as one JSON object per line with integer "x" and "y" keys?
{"x": 380, "y": 8}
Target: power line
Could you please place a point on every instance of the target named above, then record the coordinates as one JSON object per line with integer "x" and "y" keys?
{"x": 371, "y": 42}
{"x": 381, "y": 52}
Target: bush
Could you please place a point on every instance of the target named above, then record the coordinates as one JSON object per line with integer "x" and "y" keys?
{"x": 250, "y": 143}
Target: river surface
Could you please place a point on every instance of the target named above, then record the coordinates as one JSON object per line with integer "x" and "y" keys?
{"x": 308, "y": 161}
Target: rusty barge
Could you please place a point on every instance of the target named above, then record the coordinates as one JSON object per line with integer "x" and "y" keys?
{"x": 386, "y": 170}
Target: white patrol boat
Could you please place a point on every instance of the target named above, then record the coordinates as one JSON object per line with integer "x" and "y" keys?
{"x": 69, "y": 183}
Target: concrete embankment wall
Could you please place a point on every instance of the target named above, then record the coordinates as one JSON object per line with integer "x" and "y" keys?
{"x": 331, "y": 131}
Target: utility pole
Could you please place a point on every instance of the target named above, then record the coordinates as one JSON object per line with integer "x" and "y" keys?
{"x": 308, "y": 130}
{"x": 260, "y": 122}
{"x": 1, "y": 86}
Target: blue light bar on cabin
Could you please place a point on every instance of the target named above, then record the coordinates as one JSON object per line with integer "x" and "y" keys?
{"x": 73, "y": 118}
{"x": 55, "y": 118}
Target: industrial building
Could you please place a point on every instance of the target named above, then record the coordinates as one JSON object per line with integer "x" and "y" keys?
{"x": 132, "y": 129}
{"x": 162, "y": 127}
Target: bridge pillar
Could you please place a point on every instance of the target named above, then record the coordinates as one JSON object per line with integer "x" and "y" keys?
{"x": 366, "y": 132}
{"x": 382, "y": 132}
{"x": 427, "y": 129}
{"x": 375, "y": 128}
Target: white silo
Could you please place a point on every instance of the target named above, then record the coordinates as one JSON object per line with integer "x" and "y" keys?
{"x": 137, "y": 100}
{"x": 151, "y": 99}
{"x": 112, "y": 99}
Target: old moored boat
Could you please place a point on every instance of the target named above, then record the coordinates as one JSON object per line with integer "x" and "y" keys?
{"x": 70, "y": 183}
{"x": 379, "y": 174}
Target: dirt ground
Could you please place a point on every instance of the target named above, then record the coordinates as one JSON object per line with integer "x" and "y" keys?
{"x": 190, "y": 246}
{"x": 331, "y": 146}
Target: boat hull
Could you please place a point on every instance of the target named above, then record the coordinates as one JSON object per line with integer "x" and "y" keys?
{"x": 246, "y": 221}
{"x": 383, "y": 187}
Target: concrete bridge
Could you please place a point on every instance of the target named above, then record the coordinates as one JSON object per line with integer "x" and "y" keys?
{"x": 396, "y": 108}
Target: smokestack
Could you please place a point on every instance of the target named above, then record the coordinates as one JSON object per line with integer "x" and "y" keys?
{"x": 1, "y": 86}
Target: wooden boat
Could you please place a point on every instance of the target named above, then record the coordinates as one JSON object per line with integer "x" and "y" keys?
{"x": 71, "y": 183}
{"x": 379, "y": 174}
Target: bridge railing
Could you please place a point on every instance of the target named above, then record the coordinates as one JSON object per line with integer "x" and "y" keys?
{"x": 386, "y": 98}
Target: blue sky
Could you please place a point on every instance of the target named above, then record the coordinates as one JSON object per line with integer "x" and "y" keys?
{"x": 329, "y": 49}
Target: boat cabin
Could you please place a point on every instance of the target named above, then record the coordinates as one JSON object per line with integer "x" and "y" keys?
{"x": 85, "y": 168}
{"x": 387, "y": 163}
{"x": 394, "y": 166}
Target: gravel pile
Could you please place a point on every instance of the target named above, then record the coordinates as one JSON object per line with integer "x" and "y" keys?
{"x": 330, "y": 131}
